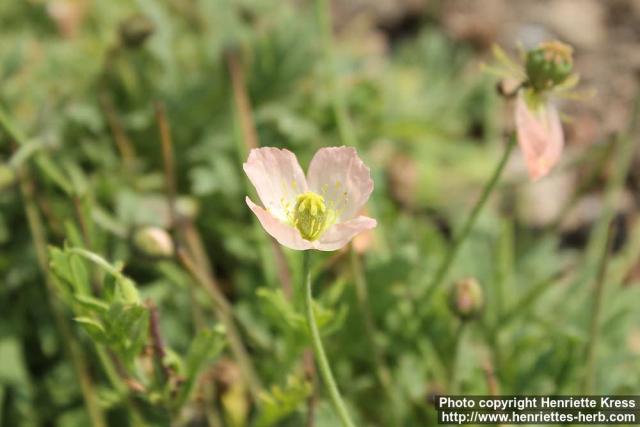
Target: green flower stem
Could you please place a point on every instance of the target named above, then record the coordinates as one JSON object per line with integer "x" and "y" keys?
{"x": 528, "y": 300}
{"x": 596, "y": 314}
{"x": 455, "y": 358}
{"x": 625, "y": 147}
{"x": 321, "y": 357}
{"x": 600, "y": 242}
{"x": 471, "y": 220}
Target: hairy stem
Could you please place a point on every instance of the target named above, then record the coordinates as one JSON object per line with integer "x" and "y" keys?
{"x": 167, "y": 160}
{"x": 442, "y": 271}
{"x": 455, "y": 357}
{"x": 318, "y": 348}
{"x": 596, "y": 312}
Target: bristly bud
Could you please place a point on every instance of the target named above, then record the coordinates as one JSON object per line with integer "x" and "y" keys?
{"x": 548, "y": 65}
{"x": 7, "y": 176}
{"x": 153, "y": 242}
{"x": 466, "y": 298}
{"x": 135, "y": 30}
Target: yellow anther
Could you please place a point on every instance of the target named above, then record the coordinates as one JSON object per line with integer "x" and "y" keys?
{"x": 311, "y": 216}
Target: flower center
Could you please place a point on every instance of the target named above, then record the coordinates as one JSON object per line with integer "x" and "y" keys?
{"x": 310, "y": 216}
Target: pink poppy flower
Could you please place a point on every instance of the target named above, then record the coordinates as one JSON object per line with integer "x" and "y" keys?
{"x": 319, "y": 211}
{"x": 539, "y": 136}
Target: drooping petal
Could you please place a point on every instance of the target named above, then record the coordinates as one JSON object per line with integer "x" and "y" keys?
{"x": 540, "y": 137}
{"x": 277, "y": 177}
{"x": 338, "y": 174}
{"x": 341, "y": 234}
{"x": 285, "y": 234}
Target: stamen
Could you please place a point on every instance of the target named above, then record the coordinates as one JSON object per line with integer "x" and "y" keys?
{"x": 311, "y": 216}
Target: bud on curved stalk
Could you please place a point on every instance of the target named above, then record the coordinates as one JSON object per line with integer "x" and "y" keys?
{"x": 466, "y": 298}
{"x": 546, "y": 73}
{"x": 153, "y": 242}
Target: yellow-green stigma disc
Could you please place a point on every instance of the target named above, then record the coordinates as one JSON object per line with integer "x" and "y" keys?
{"x": 311, "y": 216}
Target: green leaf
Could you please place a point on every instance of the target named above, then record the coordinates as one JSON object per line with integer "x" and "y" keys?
{"x": 93, "y": 327}
{"x": 126, "y": 292}
{"x": 280, "y": 310}
{"x": 12, "y": 369}
{"x": 205, "y": 347}
{"x": 53, "y": 172}
{"x": 280, "y": 402}
{"x": 283, "y": 314}
{"x": 126, "y": 329}
{"x": 92, "y": 303}
{"x": 70, "y": 269}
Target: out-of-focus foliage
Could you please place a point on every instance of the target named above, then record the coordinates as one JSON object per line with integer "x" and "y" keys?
{"x": 90, "y": 166}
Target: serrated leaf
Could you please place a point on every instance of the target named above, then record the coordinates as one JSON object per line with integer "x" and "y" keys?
{"x": 70, "y": 269}
{"x": 280, "y": 310}
{"x": 126, "y": 328}
{"x": 280, "y": 402}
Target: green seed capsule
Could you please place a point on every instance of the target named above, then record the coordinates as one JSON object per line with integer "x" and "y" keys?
{"x": 549, "y": 65}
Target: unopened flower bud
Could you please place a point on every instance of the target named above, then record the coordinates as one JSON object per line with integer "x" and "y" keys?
{"x": 135, "y": 30}
{"x": 466, "y": 299}
{"x": 7, "y": 177}
{"x": 153, "y": 242}
{"x": 549, "y": 65}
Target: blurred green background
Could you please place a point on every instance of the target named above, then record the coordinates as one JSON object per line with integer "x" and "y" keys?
{"x": 84, "y": 86}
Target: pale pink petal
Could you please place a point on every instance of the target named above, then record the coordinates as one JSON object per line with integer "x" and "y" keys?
{"x": 285, "y": 234}
{"x": 338, "y": 174}
{"x": 540, "y": 137}
{"x": 277, "y": 177}
{"x": 340, "y": 234}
